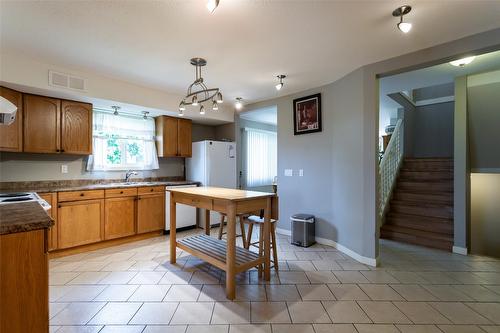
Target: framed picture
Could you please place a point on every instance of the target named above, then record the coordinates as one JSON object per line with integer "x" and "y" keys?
{"x": 307, "y": 114}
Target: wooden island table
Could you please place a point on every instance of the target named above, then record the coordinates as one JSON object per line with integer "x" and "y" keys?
{"x": 223, "y": 254}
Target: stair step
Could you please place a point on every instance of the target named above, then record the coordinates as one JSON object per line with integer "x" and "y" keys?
{"x": 425, "y": 223}
{"x": 426, "y": 175}
{"x": 446, "y": 186}
{"x": 428, "y": 164}
{"x": 416, "y": 239}
{"x": 422, "y": 209}
{"x": 437, "y": 197}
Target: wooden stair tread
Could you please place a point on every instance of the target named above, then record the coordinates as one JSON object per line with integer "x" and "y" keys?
{"x": 414, "y": 239}
{"x": 422, "y": 204}
{"x": 417, "y": 232}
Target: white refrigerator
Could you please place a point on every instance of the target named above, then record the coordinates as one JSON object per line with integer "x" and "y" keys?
{"x": 213, "y": 163}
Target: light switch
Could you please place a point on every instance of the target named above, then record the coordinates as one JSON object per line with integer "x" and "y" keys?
{"x": 301, "y": 173}
{"x": 64, "y": 168}
{"x": 288, "y": 172}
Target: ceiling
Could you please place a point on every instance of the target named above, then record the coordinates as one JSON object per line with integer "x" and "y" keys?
{"x": 268, "y": 115}
{"x": 245, "y": 42}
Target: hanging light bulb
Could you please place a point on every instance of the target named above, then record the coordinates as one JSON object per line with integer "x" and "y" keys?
{"x": 194, "y": 101}
{"x": 215, "y": 106}
{"x": 115, "y": 108}
{"x": 238, "y": 105}
{"x": 182, "y": 106}
{"x": 405, "y": 27}
{"x": 181, "y": 113}
{"x": 218, "y": 98}
{"x": 280, "y": 84}
{"x": 212, "y": 5}
{"x": 202, "y": 110}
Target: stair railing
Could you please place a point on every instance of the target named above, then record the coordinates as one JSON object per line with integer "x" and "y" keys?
{"x": 390, "y": 165}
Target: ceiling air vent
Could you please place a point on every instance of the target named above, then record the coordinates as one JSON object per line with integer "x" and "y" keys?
{"x": 63, "y": 80}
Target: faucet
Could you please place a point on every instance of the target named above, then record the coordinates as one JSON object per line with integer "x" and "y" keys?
{"x": 128, "y": 174}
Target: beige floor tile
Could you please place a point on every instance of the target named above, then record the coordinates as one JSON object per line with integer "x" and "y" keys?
{"x": 61, "y": 278}
{"x": 418, "y": 329}
{"x": 55, "y": 308}
{"x": 56, "y": 292}
{"x": 308, "y": 312}
{"x": 116, "y": 293}
{"x": 447, "y": 293}
{"x": 345, "y": 312}
{"x": 66, "y": 267}
{"x": 376, "y": 328}
{"x": 413, "y": 292}
{"x": 118, "y": 278}
{"x": 465, "y": 277}
{"x": 154, "y": 313}
{"x": 350, "y": 265}
{"x": 460, "y": 329}
{"x": 321, "y": 277}
{"x": 79, "y": 329}
{"x": 201, "y": 277}
{"x": 408, "y": 277}
{"x": 165, "y": 329}
{"x": 488, "y": 310}
{"x": 122, "y": 329}
{"x": 176, "y": 277}
{"x": 348, "y": 292}
{"x": 213, "y": 292}
{"x": 298, "y": 328}
{"x": 437, "y": 278}
{"x": 315, "y": 292}
{"x": 144, "y": 265}
{"x": 326, "y": 265}
{"x": 383, "y": 312}
{"x": 147, "y": 278}
{"x": 250, "y": 328}
{"x": 350, "y": 277}
{"x": 231, "y": 313}
{"x": 150, "y": 293}
{"x": 117, "y": 266}
{"x": 115, "y": 313}
{"x": 88, "y": 278}
{"x": 183, "y": 293}
{"x": 491, "y": 329}
{"x": 301, "y": 265}
{"x": 293, "y": 277}
{"x": 193, "y": 313}
{"x": 379, "y": 277}
{"x": 78, "y": 313}
{"x": 334, "y": 328}
{"x": 459, "y": 313}
{"x": 84, "y": 293}
{"x": 489, "y": 277}
{"x": 255, "y": 293}
{"x": 421, "y": 313}
{"x": 207, "y": 329}
{"x": 269, "y": 312}
{"x": 90, "y": 266}
{"x": 380, "y": 292}
{"x": 478, "y": 293}
{"x": 282, "y": 293}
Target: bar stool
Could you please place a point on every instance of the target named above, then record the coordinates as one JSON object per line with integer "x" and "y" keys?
{"x": 257, "y": 220}
{"x": 242, "y": 227}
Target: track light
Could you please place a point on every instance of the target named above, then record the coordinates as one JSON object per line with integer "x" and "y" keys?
{"x": 405, "y": 27}
{"x": 115, "y": 108}
{"x": 218, "y": 98}
{"x": 280, "y": 84}
{"x": 194, "y": 101}
{"x": 215, "y": 106}
{"x": 202, "y": 110}
{"x": 212, "y": 5}
{"x": 238, "y": 105}
{"x": 462, "y": 62}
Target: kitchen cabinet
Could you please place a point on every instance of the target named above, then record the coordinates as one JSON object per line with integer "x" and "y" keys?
{"x": 119, "y": 216}
{"x": 52, "y": 125}
{"x": 51, "y": 199}
{"x": 80, "y": 222}
{"x": 11, "y": 136}
{"x": 173, "y": 137}
{"x": 151, "y": 212}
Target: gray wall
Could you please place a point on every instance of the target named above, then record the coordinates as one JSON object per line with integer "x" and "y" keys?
{"x": 226, "y": 132}
{"x": 202, "y": 132}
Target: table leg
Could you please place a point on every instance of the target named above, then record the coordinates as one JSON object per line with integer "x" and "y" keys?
{"x": 231, "y": 252}
{"x": 267, "y": 243}
{"x": 173, "y": 241}
{"x": 207, "y": 222}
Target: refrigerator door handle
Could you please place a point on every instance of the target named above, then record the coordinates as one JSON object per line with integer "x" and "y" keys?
{"x": 231, "y": 151}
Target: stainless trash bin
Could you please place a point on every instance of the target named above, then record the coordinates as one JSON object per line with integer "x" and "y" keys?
{"x": 303, "y": 229}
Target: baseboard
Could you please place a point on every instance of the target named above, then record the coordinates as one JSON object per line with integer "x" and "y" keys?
{"x": 323, "y": 241}
{"x": 189, "y": 227}
{"x": 460, "y": 250}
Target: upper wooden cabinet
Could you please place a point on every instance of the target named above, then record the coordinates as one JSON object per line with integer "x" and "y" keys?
{"x": 42, "y": 124}
{"x": 173, "y": 137}
{"x": 11, "y": 136}
{"x": 76, "y": 128}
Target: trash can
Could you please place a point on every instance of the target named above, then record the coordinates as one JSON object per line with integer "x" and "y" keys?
{"x": 303, "y": 229}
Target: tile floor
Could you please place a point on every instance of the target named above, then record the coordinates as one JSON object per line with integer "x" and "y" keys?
{"x": 134, "y": 288}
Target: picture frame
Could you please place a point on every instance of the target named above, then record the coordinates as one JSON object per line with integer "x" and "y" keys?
{"x": 307, "y": 114}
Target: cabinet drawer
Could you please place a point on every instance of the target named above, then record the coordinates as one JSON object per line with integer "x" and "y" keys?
{"x": 120, "y": 192}
{"x": 151, "y": 189}
{"x": 80, "y": 195}
{"x": 193, "y": 201}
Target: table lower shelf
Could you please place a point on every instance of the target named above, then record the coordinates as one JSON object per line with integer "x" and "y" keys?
{"x": 213, "y": 251}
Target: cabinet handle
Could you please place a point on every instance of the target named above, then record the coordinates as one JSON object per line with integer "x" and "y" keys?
{"x": 82, "y": 194}
{"x": 59, "y": 206}
{"x": 152, "y": 190}
{"x": 62, "y": 150}
{"x": 121, "y": 192}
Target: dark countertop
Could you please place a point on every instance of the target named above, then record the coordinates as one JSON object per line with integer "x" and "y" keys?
{"x": 21, "y": 217}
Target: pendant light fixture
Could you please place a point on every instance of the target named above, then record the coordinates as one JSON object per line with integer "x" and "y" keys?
{"x": 115, "y": 109}
{"x": 212, "y": 5}
{"x": 198, "y": 92}
{"x": 280, "y": 84}
{"x": 405, "y": 27}
{"x": 238, "y": 104}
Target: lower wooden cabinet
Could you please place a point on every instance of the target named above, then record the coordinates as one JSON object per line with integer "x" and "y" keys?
{"x": 119, "y": 217}
{"x": 150, "y": 212}
{"x": 51, "y": 199}
{"x": 80, "y": 222}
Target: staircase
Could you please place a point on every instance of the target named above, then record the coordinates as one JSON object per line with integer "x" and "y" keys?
{"x": 421, "y": 207}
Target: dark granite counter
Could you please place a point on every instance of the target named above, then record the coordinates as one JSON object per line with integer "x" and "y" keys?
{"x": 21, "y": 217}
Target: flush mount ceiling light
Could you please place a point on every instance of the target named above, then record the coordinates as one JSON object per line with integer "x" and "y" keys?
{"x": 115, "y": 109}
{"x": 462, "y": 62}
{"x": 198, "y": 92}
{"x": 212, "y": 5}
{"x": 238, "y": 104}
{"x": 280, "y": 84}
{"x": 400, "y": 12}
{"x": 145, "y": 114}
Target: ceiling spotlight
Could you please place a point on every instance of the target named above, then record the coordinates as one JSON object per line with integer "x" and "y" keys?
{"x": 462, "y": 62}
{"x": 280, "y": 84}
{"x": 238, "y": 105}
{"x": 215, "y": 106}
{"x": 115, "y": 109}
{"x": 212, "y": 5}
{"x": 182, "y": 108}
{"x": 194, "y": 101}
{"x": 202, "y": 110}
{"x": 145, "y": 115}
{"x": 400, "y": 12}
{"x": 218, "y": 98}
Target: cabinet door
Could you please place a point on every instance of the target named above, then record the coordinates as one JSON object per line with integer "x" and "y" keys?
{"x": 150, "y": 212}
{"x": 51, "y": 198}
{"x": 11, "y": 136}
{"x": 41, "y": 124}
{"x": 76, "y": 128}
{"x": 166, "y": 136}
{"x": 80, "y": 222}
{"x": 185, "y": 141}
{"x": 119, "y": 217}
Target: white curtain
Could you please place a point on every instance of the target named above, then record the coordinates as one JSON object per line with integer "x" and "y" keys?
{"x": 132, "y": 139}
{"x": 260, "y": 157}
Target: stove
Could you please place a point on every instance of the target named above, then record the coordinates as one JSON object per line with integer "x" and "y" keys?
{"x": 21, "y": 197}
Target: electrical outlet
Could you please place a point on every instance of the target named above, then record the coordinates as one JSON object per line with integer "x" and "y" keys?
{"x": 64, "y": 168}
{"x": 288, "y": 172}
{"x": 301, "y": 173}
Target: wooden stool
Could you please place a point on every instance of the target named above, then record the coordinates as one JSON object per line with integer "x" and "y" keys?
{"x": 254, "y": 219}
{"x": 221, "y": 228}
